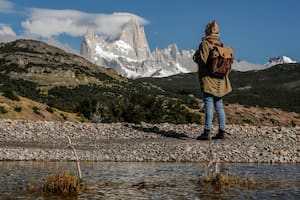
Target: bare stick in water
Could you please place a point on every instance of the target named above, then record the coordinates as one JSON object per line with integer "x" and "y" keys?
{"x": 71, "y": 146}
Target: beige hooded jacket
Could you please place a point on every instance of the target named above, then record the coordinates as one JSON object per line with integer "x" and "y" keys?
{"x": 217, "y": 87}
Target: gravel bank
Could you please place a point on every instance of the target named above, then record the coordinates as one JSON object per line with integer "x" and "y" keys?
{"x": 42, "y": 140}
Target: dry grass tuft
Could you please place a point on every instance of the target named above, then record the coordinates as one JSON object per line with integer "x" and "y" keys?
{"x": 62, "y": 184}
{"x": 220, "y": 180}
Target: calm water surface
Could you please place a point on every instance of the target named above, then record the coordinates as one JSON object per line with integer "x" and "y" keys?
{"x": 112, "y": 180}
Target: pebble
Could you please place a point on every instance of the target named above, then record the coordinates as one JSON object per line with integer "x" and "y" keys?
{"x": 46, "y": 141}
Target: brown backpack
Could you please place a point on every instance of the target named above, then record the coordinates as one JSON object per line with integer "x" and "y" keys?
{"x": 219, "y": 60}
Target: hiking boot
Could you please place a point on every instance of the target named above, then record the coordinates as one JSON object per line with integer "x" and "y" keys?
{"x": 204, "y": 135}
{"x": 220, "y": 135}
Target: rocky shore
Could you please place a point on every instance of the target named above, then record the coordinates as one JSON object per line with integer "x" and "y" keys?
{"x": 46, "y": 141}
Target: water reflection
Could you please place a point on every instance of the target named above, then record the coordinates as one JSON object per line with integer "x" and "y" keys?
{"x": 112, "y": 180}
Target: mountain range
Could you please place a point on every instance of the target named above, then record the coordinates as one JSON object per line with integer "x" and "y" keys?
{"x": 130, "y": 56}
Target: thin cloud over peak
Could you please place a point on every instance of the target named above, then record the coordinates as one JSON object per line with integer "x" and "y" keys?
{"x": 49, "y": 22}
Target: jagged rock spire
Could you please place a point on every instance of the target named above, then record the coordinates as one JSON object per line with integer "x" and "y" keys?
{"x": 89, "y": 33}
{"x": 134, "y": 35}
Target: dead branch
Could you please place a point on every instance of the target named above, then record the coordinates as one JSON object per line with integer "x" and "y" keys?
{"x": 71, "y": 146}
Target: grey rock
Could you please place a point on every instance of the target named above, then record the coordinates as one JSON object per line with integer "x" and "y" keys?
{"x": 42, "y": 140}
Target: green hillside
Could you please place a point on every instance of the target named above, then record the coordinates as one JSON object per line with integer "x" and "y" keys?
{"x": 278, "y": 87}
{"x": 53, "y": 80}
{"x": 70, "y": 83}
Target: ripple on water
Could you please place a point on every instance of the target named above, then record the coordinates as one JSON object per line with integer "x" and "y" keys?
{"x": 114, "y": 180}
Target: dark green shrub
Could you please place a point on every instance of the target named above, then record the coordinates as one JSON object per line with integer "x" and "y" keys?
{"x": 63, "y": 116}
{"x": 50, "y": 109}
{"x": 86, "y": 107}
{"x": 11, "y": 95}
{"x": 18, "y": 108}
{"x": 36, "y": 110}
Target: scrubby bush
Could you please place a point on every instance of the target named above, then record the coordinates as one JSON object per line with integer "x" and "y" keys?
{"x": 18, "y": 108}
{"x": 50, "y": 109}
{"x": 11, "y": 95}
{"x": 36, "y": 110}
{"x": 63, "y": 116}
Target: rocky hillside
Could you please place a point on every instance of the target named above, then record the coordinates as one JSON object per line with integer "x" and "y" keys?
{"x": 70, "y": 83}
{"x": 45, "y": 65}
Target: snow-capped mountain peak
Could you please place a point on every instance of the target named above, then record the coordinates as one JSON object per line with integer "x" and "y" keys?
{"x": 278, "y": 60}
{"x": 246, "y": 66}
{"x": 129, "y": 54}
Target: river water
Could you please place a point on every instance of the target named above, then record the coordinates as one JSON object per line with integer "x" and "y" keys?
{"x": 115, "y": 180}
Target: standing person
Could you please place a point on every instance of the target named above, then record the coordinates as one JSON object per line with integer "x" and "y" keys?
{"x": 212, "y": 87}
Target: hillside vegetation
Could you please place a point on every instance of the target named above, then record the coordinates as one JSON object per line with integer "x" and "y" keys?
{"x": 21, "y": 108}
{"x": 63, "y": 86}
{"x": 68, "y": 82}
{"x": 275, "y": 87}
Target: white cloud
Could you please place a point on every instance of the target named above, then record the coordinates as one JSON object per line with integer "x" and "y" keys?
{"x": 7, "y": 34}
{"x": 7, "y": 38}
{"x": 49, "y": 23}
{"x": 6, "y": 6}
{"x": 6, "y": 30}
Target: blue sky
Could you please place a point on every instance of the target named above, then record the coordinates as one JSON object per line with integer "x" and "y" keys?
{"x": 257, "y": 29}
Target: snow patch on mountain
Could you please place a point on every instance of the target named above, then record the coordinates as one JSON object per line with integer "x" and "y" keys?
{"x": 278, "y": 60}
{"x": 246, "y": 66}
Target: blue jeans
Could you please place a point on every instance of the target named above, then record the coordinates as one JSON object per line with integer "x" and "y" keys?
{"x": 210, "y": 101}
